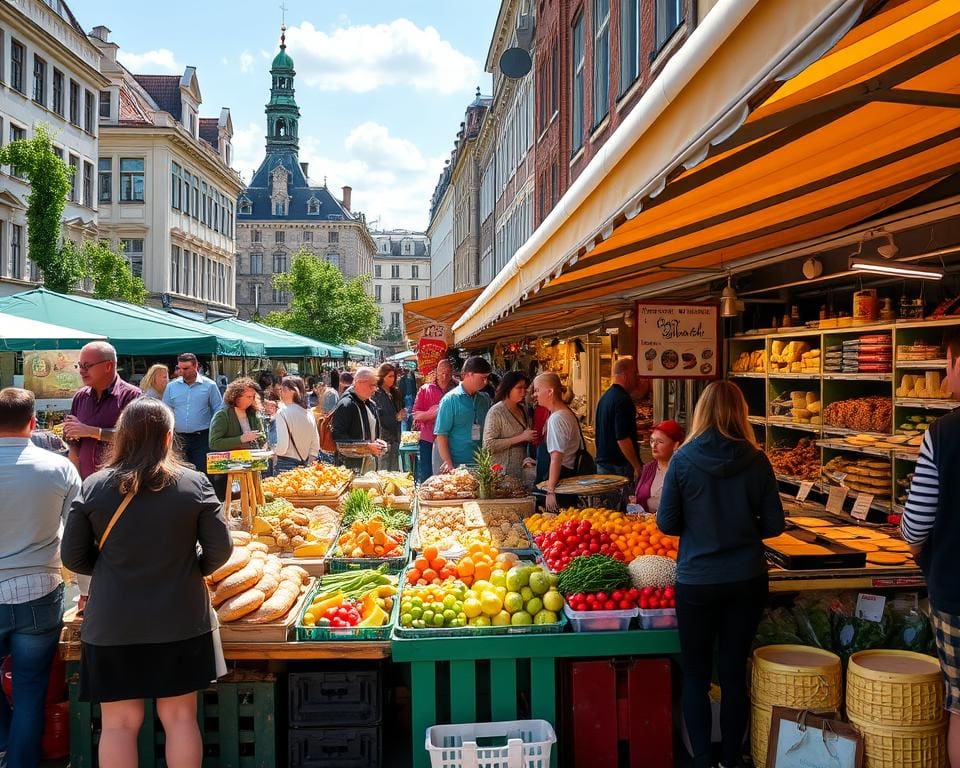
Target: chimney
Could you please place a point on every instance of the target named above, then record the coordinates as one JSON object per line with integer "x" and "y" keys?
{"x": 101, "y": 33}
{"x": 346, "y": 197}
{"x": 303, "y": 167}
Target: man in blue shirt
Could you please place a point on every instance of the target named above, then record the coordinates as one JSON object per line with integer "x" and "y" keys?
{"x": 194, "y": 399}
{"x": 458, "y": 429}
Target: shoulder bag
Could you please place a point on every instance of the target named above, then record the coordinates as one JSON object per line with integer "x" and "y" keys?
{"x": 113, "y": 520}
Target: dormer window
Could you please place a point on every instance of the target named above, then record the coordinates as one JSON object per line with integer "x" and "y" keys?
{"x": 245, "y": 207}
{"x": 313, "y": 207}
{"x": 279, "y": 208}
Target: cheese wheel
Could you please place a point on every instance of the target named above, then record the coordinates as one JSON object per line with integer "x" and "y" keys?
{"x": 886, "y": 558}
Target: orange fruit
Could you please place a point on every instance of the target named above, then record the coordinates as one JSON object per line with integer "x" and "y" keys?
{"x": 431, "y": 553}
{"x": 421, "y": 563}
{"x": 482, "y": 571}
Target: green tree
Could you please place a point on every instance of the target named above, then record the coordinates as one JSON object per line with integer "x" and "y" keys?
{"x": 323, "y": 304}
{"x": 64, "y": 264}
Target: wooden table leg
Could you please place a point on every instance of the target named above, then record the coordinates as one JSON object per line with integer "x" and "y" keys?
{"x": 229, "y": 499}
{"x": 258, "y": 485}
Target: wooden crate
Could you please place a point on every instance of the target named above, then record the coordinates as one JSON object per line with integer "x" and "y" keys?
{"x": 244, "y": 632}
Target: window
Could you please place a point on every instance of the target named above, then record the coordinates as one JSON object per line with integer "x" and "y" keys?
{"x": 131, "y": 179}
{"x": 104, "y": 110}
{"x": 105, "y": 179}
{"x": 378, "y": 271}
{"x": 395, "y": 271}
{"x": 175, "y": 269}
{"x": 256, "y": 236}
{"x": 576, "y": 119}
{"x": 175, "y": 186}
{"x": 195, "y": 274}
{"x": 39, "y": 80}
{"x": 280, "y": 208}
{"x": 307, "y": 236}
{"x": 669, "y": 17}
{"x": 278, "y": 236}
{"x": 195, "y": 197}
{"x": 279, "y": 262}
{"x": 58, "y": 92}
{"x": 74, "y": 103}
{"x": 601, "y": 59}
{"x": 279, "y": 296}
{"x": 17, "y": 56}
{"x": 203, "y": 202}
{"x": 415, "y": 272}
{"x": 629, "y": 43}
{"x": 408, "y": 247}
{"x": 313, "y": 207}
{"x": 246, "y": 207}
{"x": 254, "y": 294}
{"x": 333, "y": 258}
{"x": 394, "y": 319}
{"x": 414, "y": 292}
{"x": 88, "y": 122}
{"x": 16, "y": 250}
{"x": 88, "y": 184}
{"x": 554, "y": 78}
{"x": 16, "y": 134}
{"x": 333, "y": 237}
{"x": 133, "y": 253}
{"x": 395, "y": 294}
{"x": 74, "y": 171}
{"x": 377, "y": 294}
{"x": 256, "y": 263}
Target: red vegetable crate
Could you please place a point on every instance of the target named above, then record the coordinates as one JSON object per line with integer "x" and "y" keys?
{"x": 629, "y": 701}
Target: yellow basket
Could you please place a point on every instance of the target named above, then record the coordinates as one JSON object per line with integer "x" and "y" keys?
{"x": 796, "y": 676}
{"x": 886, "y": 687}
{"x": 916, "y": 747}
{"x": 759, "y": 733}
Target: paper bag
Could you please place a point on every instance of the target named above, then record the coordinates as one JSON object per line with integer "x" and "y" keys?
{"x": 803, "y": 739}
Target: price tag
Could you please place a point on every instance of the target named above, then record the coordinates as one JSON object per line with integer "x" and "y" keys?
{"x": 804, "y": 490}
{"x": 861, "y": 506}
{"x": 835, "y": 499}
{"x": 840, "y": 477}
{"x": 870, "y": 607}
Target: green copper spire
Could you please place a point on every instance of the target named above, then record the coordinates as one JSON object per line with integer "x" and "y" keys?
{"x": 283, "y": 114}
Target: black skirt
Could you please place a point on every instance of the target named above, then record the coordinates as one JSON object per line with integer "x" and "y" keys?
{"x": 146, "y": 671}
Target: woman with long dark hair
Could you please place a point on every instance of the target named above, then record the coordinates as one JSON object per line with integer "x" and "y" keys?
{"x": 392, "y": 414}
{"x": 148, "y": 627}
{"x": 720, "y": 497}
{"x": 506, "y": 430}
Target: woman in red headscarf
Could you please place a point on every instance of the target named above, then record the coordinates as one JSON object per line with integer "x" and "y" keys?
{"x": 664, "y": 440}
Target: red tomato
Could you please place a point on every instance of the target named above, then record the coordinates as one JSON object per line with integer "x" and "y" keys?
{"x": 609, "y": 605}
{"x": 602, "y": 597}
{"x": 625, "y": 605}
{"x": 617, "y": 595}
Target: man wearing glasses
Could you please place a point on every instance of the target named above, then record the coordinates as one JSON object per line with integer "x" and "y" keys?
{"x": 458, "y": 429}
{"x": 194, "y": 399}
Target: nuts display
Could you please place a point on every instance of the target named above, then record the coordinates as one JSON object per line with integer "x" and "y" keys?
{"x": 865, "y": 414}
{"x": 802, "y": 461}
{"x": 459, "y": 484}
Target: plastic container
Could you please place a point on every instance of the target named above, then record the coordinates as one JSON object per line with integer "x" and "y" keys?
{"x": 341, "y": 564}
{"x": 335, "y": 697}
{"x": 658, "y": 618}
{"x": 508, "y": 744}
{"x": 306, "y": 634}
{"x": 346, "y": 747}
{"x": 600, "y": 621}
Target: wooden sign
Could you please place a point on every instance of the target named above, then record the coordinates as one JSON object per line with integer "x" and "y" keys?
{"x": 678, "y": 341}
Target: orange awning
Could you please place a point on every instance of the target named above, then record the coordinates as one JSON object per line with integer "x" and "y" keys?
{"x": 437, "y": 311}
{"x": 868, "y": 125}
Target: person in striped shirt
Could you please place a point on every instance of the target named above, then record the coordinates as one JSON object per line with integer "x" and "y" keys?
{"x": 931, "y": 526}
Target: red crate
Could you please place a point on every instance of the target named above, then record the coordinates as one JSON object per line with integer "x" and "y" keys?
{"x": 622, "y": 708}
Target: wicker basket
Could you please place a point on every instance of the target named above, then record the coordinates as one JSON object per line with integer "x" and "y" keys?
{"x": 920, "y": 746}
{"x": 810, "y": 680}
{"x": 877, "y": 693}
{"x": 813, "y": 683}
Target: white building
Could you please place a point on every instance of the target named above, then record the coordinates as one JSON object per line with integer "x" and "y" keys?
{"x": 401, "y": 273}
{"x": 49, "y": 73}
{"x": 165, "y": 186}
{"x": 440, "y": 236}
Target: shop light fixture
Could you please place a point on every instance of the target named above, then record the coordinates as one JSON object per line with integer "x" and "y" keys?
{"x": 729, "y": 305}
{"x": 894, "y": 269}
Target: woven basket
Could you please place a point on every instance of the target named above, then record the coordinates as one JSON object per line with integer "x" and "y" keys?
{"x": 814, "y": 683}
{"x": 759, "y": 733}
{"x": 885, "y": 746}
{"x": 892, "y": 697}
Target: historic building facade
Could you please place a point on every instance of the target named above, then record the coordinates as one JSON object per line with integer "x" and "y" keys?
{"x": 165, "y": 188}
{"x": 50, "y": 74}
{"x": 401, "y": 273}
{"x": 281, "y": 211}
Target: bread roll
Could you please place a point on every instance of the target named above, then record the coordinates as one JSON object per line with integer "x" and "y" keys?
{"x": 237, "y": 560}
{"x": 244, "y": 579}
{"x": 240, "y": 538}
{"x": 240, "y": 605}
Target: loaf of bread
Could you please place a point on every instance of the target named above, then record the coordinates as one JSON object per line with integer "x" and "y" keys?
{"x": 244, "y": 579}
{"x": 240, "y": 605}
{"x": 237, "y": 560}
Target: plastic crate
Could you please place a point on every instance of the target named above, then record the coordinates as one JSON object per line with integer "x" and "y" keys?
{"x": 508, "y": 744}
{"x": 335, "y": 697}
{"x": 334, "y": 748}
{"x": 600, "y": 621}
{"x": 341, "y": 564}
{"x": 305, "y": 633}
{"x": 658, "y": 618}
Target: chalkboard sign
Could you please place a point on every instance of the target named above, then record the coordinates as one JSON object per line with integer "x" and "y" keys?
{"x": 678, "y": 341}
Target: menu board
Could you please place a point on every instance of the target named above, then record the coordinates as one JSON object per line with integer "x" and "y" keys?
{"x": 678, "y": 341}
{"x": 51, "y": 375}
{"x": 429, "y": 353}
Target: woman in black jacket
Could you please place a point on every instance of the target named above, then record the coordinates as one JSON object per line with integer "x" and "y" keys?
{"x": 720, "y": 496}
{"x": 391, "y": 412}
{"x": 148, "y": 627}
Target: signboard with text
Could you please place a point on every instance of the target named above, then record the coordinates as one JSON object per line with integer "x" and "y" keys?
{"x": 429, "y": 353}
{"x": 51, "y": 375}
{"x": 678, "y": 341}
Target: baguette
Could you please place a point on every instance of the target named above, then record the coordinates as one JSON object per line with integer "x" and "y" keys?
{"x": 240, "y": 605}
{"x": 244, "y": 579}
{"x": 278, "y": 605}
{"x": 237, "y": 560}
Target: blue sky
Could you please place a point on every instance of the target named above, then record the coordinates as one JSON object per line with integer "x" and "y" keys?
{"x": 382, "y": 86}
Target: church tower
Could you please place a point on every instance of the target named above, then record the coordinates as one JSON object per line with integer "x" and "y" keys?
{"x": 283, "y": 114}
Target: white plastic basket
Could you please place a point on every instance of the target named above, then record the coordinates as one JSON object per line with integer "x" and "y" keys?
{"x": 507, "y": 744}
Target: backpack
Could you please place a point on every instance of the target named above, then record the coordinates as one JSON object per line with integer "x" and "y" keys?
{"x": 325, "y": 429}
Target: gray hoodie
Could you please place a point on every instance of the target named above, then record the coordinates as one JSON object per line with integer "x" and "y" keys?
{"x": 720, "y": 496}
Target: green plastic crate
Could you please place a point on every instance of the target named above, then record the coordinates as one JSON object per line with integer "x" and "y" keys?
{"x": 349, "y": 633}
{"x": 340, "y": 564}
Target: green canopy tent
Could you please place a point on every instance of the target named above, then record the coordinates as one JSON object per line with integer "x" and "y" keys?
{"x": 276, "y": 342}
{"x": 18, "y": 334}
{"x": 331, "y": 350}
{"x": 132, "y": 333}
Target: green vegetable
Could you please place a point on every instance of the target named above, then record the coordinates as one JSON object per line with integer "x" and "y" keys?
{"x": 593, "y": 573}
{"x": 777, "y": 627}
{"x": 359, "y": 506}
{"x": 355, "y": 584}
{"x": 812, "y": 615}
{"x": 851, "y": 634}
{"x": 910, "y": 630}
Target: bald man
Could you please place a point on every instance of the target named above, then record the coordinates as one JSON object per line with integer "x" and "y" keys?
{"x": 618, "y": 451}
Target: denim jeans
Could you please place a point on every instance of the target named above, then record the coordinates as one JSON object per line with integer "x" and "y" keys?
{"x": 408, "y": 404}
{"x": 285, "y": 463}
{"x": 29, "y": 632}
{"x": 425, "y": 461}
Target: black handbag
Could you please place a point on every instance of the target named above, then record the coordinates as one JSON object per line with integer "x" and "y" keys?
{"x": 585, "y": 463}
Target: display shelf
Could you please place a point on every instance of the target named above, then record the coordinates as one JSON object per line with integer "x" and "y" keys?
{"x": 775, "y": 421}
{"x": 828, "y": 430}
{"x": 930, "y": 404}
{"x": 747, "y": 375}
{"x": 842, "y": 445}
{"x": 907, "y": 455}
{"x": 759, "y": 420}
{"x": 858, "y": 376}
{"x": 913, "y": 365}
{"x": 797, "y": 480}
{"x": 779, "y": 375}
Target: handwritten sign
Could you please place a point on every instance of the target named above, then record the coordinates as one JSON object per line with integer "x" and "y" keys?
{"x": 861, "y": 506}
{"x": 678, "y": 341}
{"x": 430, "y": 351}
{"x": 870, "y": 607}
{"x": 835, "y": 499}
{"x": 51, "y": 375}
{"x": 804, "y": 490}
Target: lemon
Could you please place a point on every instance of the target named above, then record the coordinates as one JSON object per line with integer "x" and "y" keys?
{"x": 513, "y": 602}
{"x": 545, "y": 617}
{"x": 526, "y": 593}
{"x": 498, "y": 578}
{"x": 553, "y": 601}
{"x": 490, "y": 603}
{"x": 472, "y": 607}
{"x": 539, "y": 582}
{"x": 502, "y": 619}
{"x": 533, "y": 606}
{"x": 521, "y": 618}
{"x": 480, "y": 586}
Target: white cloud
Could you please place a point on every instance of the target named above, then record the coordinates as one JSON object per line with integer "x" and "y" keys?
{"x": 392, "y": 179}
{"x": 150, "y": 62}
{"x": 363, "y": 58}
{"x": 246, "y": 61}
